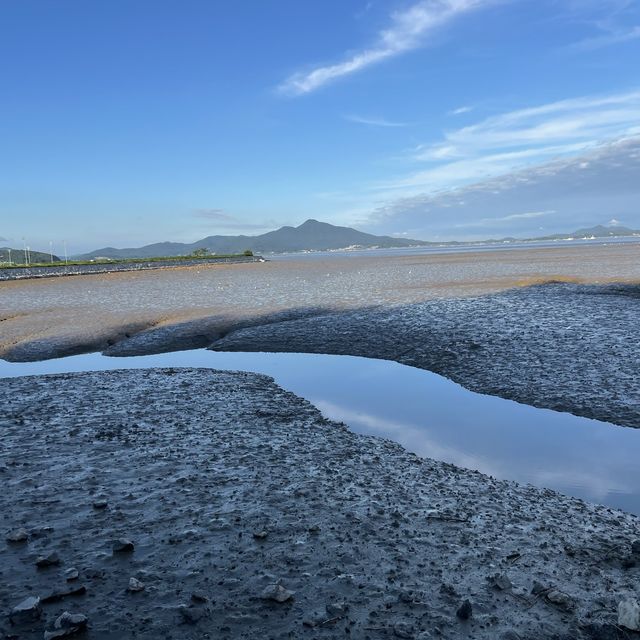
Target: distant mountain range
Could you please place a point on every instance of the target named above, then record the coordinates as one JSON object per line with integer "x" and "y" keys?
{"x": 309, "y": 236}
{"x": 598, "y": 231}
{"x": 320, "y": 236}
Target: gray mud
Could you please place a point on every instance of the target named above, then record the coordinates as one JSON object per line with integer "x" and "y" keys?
{"x": 561, "y": 346}
{"x": 231, "y": 489}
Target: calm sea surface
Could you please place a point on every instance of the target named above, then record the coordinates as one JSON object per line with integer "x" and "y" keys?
{"x": 465, "y": 248}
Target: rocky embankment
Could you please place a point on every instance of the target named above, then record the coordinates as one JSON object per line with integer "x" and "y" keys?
{"x": 58, "y": 270}
{"x": 203, "y": 504}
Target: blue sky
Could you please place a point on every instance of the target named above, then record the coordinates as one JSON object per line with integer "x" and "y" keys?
{"x": 128, "y": 122}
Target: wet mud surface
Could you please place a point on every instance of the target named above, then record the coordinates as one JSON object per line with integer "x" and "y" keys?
{"x": 240, "y": 512}
{"x": 481, "y": 319}
{"x": 561, "y": 346}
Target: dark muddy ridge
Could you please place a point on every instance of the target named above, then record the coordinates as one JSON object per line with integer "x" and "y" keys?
{"x": 559, "y": 346}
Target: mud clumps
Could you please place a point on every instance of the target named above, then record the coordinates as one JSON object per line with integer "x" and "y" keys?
{"x": 252, "y": 516}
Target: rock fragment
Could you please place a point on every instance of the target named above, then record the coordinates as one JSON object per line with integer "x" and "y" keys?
{"x": 17, "y": 536}
{"x": 67, "y": 624}
{"x": 135, "y": 585}
{"x": 122, "y": 545}
{"x": 27, "y": 610}
{"x": 629, "y": 614}
{"x": 276, "y": 593}
{"x": 560, "y": 599}
{"x": 71, "y": 574}
{"x": 500, "y": 581}
{"x": 335, "y": 609}
{"x": 100, "y": 504}
{"x": 50, "y": 560}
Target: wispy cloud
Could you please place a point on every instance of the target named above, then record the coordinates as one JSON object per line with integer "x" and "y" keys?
{"x": 460, "y": 110}
{"x": 520, "y": 138}
{"x": 218, "y": 219}
{"x": 617, "y": 36}
{"x": 214, "y": 214}
{"x": 612, "y": 22}
{"x": 490, "y": 222}
{"x": 407, "y": 31}
{"x": 375, "y": 122}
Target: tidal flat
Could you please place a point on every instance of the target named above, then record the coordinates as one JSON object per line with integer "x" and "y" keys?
{"x": 188, "y": 503}
{"x": 555, "y": 328}
{"x": 185, "y": 503}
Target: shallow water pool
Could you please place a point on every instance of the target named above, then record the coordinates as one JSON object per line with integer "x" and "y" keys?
{"x": 429, "y": 415}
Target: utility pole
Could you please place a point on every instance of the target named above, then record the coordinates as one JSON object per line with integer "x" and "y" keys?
{"x": 24, "y": 246}
{"x": 66, "y": 261}
{"x": 10, "y": 263}
{"x": 51, "y": 251}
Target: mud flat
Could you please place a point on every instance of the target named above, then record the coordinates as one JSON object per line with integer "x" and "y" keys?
{"x": 50, "y": 318}
{"x": 481, "y": 319}
{"x": 240, "y": 512}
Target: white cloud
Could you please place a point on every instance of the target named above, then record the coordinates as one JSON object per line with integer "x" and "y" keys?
{"x": 375, "y": 122}
{"x": 490, "y": 222}
{"x": 509, "y": 141}
{"x": 460, "y": 111}
{"x": 407, "y": 31}
{"x": 587, "y": 189}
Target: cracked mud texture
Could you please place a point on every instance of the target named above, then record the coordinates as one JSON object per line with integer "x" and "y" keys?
{"x": 231, "y": 489}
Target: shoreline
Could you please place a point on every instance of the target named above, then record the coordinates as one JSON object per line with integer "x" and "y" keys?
{"x": 248, "y": 486}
